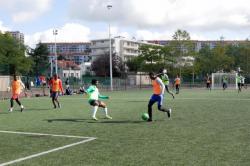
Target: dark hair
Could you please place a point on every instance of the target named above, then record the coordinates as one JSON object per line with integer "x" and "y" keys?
{"x": 151, "y": 73}
{"x": 14, "y": 77}
{"x": 161, "y": 70}
{"x": 94, "y": 81}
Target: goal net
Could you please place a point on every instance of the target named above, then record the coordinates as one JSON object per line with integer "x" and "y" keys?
{"x": 229, "y": 79}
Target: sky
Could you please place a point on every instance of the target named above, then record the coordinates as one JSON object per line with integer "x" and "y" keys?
{"x": 83, "y": 20}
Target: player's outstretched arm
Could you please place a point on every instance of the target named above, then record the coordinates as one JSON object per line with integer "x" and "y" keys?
{"x": 103, "y": 97}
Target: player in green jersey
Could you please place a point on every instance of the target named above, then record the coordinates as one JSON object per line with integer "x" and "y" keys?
{"x": 164, "y": 77}
{"x": 94, "y": 101}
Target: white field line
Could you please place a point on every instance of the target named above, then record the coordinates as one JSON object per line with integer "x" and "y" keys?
{"x": 87, "y": 139}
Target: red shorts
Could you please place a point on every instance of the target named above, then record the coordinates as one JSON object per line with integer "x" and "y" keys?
{"x": 15, "y": 96}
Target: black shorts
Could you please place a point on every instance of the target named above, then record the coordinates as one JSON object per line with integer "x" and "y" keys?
{"x": 166, "y": 88}
{"x": 54, "y": 95}
{"x": 95, "y": 102}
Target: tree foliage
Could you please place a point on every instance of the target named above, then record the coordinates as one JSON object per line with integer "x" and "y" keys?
{"x": 39, "y": 56}
{"x": 101, "y": 65}
{"x": 12, "y": 56}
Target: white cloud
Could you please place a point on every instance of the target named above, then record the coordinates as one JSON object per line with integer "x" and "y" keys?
{"x": 25, "y": 10}
{"x": 70, "y": 32}
{"x": 3, "y": 28}
{"x": 211, "y": 15}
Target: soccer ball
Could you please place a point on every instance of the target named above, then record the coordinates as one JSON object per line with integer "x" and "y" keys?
{"x": 145, "y": 116}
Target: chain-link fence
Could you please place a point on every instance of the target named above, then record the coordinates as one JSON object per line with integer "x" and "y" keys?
{"x": 34, "y": 87}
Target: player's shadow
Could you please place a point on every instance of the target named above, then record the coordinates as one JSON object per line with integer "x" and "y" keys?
{"x": 138, "y": 101}
{"x": 4, "y": 112}
{"x": 65, "y": 120}
{"x": 91, "y": 121}
{"x": 118, "y": 122}
{"x": 38, "y": 109}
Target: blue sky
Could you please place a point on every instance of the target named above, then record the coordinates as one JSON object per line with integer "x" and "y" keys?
{"x": 83, "y": 20}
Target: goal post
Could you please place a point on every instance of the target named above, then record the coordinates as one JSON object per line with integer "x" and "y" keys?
{"x": 217, "y": 80}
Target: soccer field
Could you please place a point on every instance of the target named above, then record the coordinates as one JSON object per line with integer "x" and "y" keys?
{"x": 206, "y": 128}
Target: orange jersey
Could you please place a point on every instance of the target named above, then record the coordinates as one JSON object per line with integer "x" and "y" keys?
{"x": 177, "y": 81}
{"x": 56, "y": 85}
{"x": 156, "y": 87}
{"x": 16, "y": 87}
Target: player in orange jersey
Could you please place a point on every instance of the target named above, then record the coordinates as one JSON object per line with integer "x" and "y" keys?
{"x": 56, "y": 88}
{"x": 177, "y": 84}
{"x": 16, "y": 88}
{"x": 158, "y": 90}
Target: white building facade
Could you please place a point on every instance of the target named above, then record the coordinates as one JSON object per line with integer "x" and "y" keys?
{"x": 124, "y": 48}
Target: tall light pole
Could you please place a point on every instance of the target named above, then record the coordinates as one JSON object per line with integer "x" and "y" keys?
{"x": 55, "y": 32}
{"x": 51, "y": 66}
{"x": 110, "y": 55}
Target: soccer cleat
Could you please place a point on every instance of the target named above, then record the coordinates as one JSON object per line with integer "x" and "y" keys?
{"x": 22, "y": 108}
{"x": 173, "y": 96}
{"x": 94, "y": 118}
{"x": 108, "y": 117}
{"x": 11, "y": 109}
{"x": 149, "y": 120}
{"x": 169, "y": 112}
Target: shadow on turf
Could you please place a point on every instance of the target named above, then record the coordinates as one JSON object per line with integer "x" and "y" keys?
{"x": 66, "y": 120}
{"x": 138, "y": 101}
{"x": 4, "y": 112}
{"x": 90, "y": 121}
{"x": 121, "y": 122}
{"x": 39, "y": 109}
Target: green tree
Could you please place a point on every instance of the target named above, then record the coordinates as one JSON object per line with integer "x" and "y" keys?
{"x": 150, "y": 53}
{"x": 181, "y": 46}
{"x": 134, "y": 64}
{"x": 220, "y": 60}
{"x": 12, "y": 54}
{"x": 39, "y": 56}
{"x": 241, "y": 55}
{"x": 203, "y": 62}
{"x": 101, "y": 65}
{"x": 213, "y": 60}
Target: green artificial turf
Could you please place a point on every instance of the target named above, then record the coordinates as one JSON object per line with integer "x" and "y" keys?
{"x": 206, "y": 128}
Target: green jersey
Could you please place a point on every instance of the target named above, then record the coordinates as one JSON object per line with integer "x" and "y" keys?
{"x": 165, "y": 79}
{"x": 224, "y": 80}
{"x": 94, "y": 94}
{"x": 238, "y": 79}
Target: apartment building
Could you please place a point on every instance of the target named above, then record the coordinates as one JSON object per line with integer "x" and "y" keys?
{"x": 75, "y": 52}
{"x": 17, "y": 35}
{"x": 125, "y": 48}
{"x": 199, "y": 44}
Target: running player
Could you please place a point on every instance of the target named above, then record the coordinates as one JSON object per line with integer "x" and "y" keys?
{"x": 177, "y": 83}
{"x": 158, "y": 90}
{"x": 224, "y": 82}
{"x": 56, "y": 89}
{"x": 164, "y": 77}
{"x": 208, "y": 82}
{"x": 94, "y": 101}
{"x": 16, "y": 87}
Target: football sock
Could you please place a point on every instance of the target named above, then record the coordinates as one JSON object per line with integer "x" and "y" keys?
{"x": 106, "y": 111}
{"x": 94, "y": 111}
